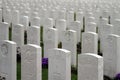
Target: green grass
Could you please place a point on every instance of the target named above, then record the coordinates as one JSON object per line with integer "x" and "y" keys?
{"x": 18, "y": 71}
{"x": 44, "y": 73}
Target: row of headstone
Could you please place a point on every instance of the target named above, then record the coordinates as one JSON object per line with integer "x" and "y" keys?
{"x": 89, "y": 37}
{"x": 59, "y": 63}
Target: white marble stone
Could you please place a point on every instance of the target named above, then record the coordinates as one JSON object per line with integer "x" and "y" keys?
{"x": 79, "y": 17}
{"x": 8, "y": 60}
{"x": 31, "y": 68}
{"x": 7, "y": 16}
{"x": 70, "y": 17}
{"x": 0, "y": 15}
{"x": 59, "y": 65}
{"x": 53, "y": 15}
{"x": 89, "y": 42}
{"x": 91, "y": 27}
{"x": 18, "y": 36}
{"x": 88, "y": 20}
{"x": 105, "y": 31}
{"x": 114, "y": 15}
{"x": 102, "y": 22}
{"x": 24, "y": 20}
{"x": 4, "y": 30}
{"x": 69, "y": 42}
{"x": 35, "y": 21}
{"x": 61, "y": 26}
{"x": 33, "y": 15}
{"x": 48, "y": 23}
{"x": 50, "y": 38}
{"x": 24, "y": 13}
{"x": 43, "y": 14}
{"x": 15, "y": 17}
{"x": 111, "y": 55}
{"x": 33, "y": 35}
{"x": 116, "y": 27}
{"x": 61, "y": 14}
{"x": 76, "y": 25}
{"x": 105, "y": 14}
{"x": 90, "y": 66}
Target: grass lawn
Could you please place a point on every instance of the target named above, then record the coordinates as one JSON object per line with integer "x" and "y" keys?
{"x": 44, "y": 73}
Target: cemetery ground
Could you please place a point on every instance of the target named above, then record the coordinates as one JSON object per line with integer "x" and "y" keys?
{"x": 80, "y": 41}
{"x": 44, "y": 73}
{"x": 45, "y": 68}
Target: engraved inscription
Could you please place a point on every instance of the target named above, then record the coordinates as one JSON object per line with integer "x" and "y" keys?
{"x": 4, "y": 49}
{"x": 68, "y": 36}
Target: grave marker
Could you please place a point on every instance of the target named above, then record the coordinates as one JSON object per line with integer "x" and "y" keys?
{"x": 69, "y": 42}
{"x": 89, "y": 42}
{"x": 7, "y": 60}
{"x": 18, "y": 36}
{"x": 31, "y": 62}
{"x": 4, "y": 29}
{"x": 61, "y": 70}
{"x": 33, "y": 35}
{"x": 111, "y": 62}
{"x": 50, "y": 39}
{"x": 90, "y": 66}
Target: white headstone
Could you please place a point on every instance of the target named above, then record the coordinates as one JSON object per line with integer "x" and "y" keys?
{"x": 7, "y": 16}
{"x": 15, "y": 17}
{"x": 32, "y": 15}
{"x": 0, "y": 15}
{"x": 61, "y": 26}
{"x": 111, "y": 55}
{"x": 114, "y": 15}
{"x": 79, "y": 17}
{"x": 7, "y": 60}
{"x": 88, "y": 20}
{"x": 101, "y": 23}
{"x": 35, "y": 21}
{"x": 89, "y": 42}
{"x": 33, "y": 35}
{"x": 18, "y": 36}
{"x": 105, "y": 31}
{"x": 48, "y": 23}
{"x": 52, "y": 15}
{"x": 24, "y": 20}
{"x": 105, "y": 14}
{"x": 31, "y": 62}
{"x": 59, "y": 65}
{"x": 61, "y": 14}
{"x": 91, "y": 27}
{"x": 70, "y": 17}
{"x": 50, "y": 39}
{"x": 4, "y": 30}
{"x": 117, "y": 27}
{"x": 90, "y": 66}
{"x": 69, "y": 42}
{"x": 76, "y": 25}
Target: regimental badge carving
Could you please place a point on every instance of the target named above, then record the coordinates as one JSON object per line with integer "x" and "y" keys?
{"x": 4, "y": 49}
{"x": 67, "y": 36}
{"x": 28, "y": 56}
{"x": 87, "y": 39}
